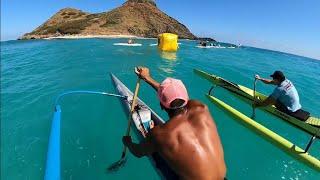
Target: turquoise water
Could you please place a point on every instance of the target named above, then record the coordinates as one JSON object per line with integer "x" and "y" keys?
{"x": 33, "y": 73}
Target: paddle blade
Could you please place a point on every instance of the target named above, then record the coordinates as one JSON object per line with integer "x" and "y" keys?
{"x": 117, "y": 165}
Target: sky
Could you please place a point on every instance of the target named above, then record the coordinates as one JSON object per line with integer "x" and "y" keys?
{"x": 291, "y": 26}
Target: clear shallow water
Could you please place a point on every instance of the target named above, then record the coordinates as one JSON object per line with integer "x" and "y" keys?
{"x": 33, "y": 73}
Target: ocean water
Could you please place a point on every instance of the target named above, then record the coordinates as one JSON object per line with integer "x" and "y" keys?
{"x": 34, "y": 73}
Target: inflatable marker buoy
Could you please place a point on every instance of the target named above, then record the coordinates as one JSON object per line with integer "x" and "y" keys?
{"x": 168, "y": 42}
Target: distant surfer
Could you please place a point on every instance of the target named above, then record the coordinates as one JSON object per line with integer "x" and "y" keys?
{"x": 285, "y": 96}
{"x": 189, "y": 141}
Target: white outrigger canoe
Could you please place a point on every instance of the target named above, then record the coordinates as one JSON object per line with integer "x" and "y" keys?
{"x": 144, "y": 118}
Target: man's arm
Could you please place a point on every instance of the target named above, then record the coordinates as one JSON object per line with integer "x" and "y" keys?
{"x": 266, "y": 81}
{"x": 269, "y": 101}
{"x": 144, "y": 74}
{"x": 153, "y": 83}
{"x": 139, "y": 150}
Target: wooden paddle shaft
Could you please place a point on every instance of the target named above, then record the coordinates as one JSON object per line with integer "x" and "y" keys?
{"x": 133, "y": 105}
{"x": 254, "y": 97}
{"x": 135, "y": 97}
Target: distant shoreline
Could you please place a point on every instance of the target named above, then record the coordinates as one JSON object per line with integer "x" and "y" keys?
{"x": 95, "y": 36}
{"x": 79, "y": 36}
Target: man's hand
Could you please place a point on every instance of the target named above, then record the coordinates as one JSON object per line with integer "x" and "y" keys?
{"x": 142, "y": 72}
{"x": 126, "y": 140}
{"x": 141, "y": 149}
{"x": 266, "y": 81}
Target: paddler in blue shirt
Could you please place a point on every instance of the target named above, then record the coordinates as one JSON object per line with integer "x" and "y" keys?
{"x": 285, "y": 96}
{"x": 189, "y": 142}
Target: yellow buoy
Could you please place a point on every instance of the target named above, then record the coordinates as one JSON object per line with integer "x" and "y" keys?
{"x": 168, "y": 42}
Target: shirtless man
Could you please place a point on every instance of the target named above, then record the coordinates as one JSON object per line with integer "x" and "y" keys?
{"x": 189, "y": 141}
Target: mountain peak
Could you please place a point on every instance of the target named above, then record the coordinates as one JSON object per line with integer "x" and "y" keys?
{"x": 152, "y": 2}
{"x": 135, "y": 17}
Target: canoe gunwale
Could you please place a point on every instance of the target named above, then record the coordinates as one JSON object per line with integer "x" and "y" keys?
{"x": 242, "y": 92}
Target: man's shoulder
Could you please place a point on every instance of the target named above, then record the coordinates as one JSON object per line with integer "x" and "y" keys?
{"x": 198, "y": 112}
{"x": 196, "y": 105}
{"x": 285, "y": 86}
{"x": 285, "y": 83}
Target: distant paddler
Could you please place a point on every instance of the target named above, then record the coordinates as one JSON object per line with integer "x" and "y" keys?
{"x": 189, "y": 141}
{"x": 130, "y": 41}
{"x": 285, "y": 96}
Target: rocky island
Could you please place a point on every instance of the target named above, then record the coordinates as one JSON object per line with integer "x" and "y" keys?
{"x": 139, "y": 18}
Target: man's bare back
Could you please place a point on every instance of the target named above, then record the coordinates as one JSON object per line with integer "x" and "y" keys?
{"x": 190, "y": 144}
{"x": 189, "y": 141}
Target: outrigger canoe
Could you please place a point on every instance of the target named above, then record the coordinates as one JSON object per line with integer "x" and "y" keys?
{"x": 311, "y": 125}
{"x": 269, "y": 135}
{"x": 144, "y": 118}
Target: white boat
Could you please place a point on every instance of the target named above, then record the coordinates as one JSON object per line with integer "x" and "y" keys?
{"x": 127, "y": 44}
{"x": 208, "y": 47}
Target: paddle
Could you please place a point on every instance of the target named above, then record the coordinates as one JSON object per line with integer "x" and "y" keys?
{"x": 254, "y": 98}
{"x": 312, "y": 139}
{"x": 115, "y": 166}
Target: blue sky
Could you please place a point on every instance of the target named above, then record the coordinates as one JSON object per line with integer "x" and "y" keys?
{"x": 286, "y": 25}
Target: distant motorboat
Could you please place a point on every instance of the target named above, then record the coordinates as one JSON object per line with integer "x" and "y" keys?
{"x": 208, "y": 47}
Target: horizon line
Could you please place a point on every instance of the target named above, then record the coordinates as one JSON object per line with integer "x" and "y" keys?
{"x": 278, "y": 51}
